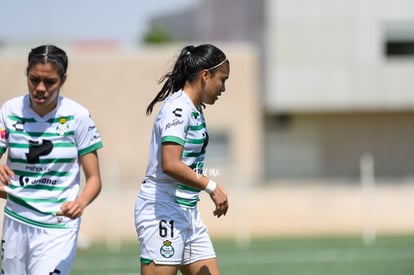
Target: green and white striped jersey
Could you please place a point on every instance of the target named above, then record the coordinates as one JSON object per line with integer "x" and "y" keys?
{"x": 44, "y": 154}
{"x": 178, "y": 121}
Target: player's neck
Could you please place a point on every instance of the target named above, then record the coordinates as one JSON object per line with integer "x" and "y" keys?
{"x": 193, "y": 94}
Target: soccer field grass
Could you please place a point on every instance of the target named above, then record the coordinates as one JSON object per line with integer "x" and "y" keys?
{"x": 389, "y": 255}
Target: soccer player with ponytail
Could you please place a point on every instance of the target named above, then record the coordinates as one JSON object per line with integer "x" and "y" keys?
{"x": 172, "y": 236}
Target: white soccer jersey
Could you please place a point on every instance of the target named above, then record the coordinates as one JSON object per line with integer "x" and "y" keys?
{"x": 178, "y": 121}
{"x": 44, "y": 154}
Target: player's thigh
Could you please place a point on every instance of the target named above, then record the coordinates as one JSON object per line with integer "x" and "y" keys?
{"x": 54, "y": 251}
{"x": 14, "y": 247}
{"x": 51, "y": 266}
{"x": 162, "y": 229}
{"x": 199, "y": 246}
{"x": 156, "y": 269}
{"x": 202, "y": 267}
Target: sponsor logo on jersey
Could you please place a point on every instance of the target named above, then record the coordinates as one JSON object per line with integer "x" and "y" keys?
{"x": 38, "y": 149}
{"x": 36, "y": 169}
{"x": 19, "y": 126}
{"x": 42, "y": 181}
{"x": 177, "y": 112}
{"x": 173, "y": 123}
{"x": 23, "y": 180}
{"x": 3, "y": 133}
{"x": 205, "y": 143}
{"x": 56, "y": 271}
{"x": 95, "y": 137}
{"x": 167, "y": 250}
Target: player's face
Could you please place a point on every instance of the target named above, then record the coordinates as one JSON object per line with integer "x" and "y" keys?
{"x": 43, "y": 82}
{"x": 215, "y": 84}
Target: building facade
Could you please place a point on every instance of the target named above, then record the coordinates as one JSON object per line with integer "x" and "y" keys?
{"x": 335, "y": 81}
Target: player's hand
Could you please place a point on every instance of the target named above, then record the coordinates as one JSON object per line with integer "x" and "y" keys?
{"x": 71, "y": 209}
{"x": 220, "y": 199}
{"x": 6, "y": 174}
{"x": 3, "y": 193}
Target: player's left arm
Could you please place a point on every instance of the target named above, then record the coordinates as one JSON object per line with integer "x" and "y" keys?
{"x": 90, "y": 164}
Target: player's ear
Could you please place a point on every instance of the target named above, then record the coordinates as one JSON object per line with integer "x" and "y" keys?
{"x": 63, "y": 79}
{"x": 205, "y": 74}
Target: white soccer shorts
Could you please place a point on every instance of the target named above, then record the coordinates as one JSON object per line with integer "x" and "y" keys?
{"x": 28, "y": 250}
{"x": 171, "y": 234}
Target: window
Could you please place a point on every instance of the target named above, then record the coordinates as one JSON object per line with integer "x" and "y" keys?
{"x": 218, "y": 149}
{"x": 399, "y": 39}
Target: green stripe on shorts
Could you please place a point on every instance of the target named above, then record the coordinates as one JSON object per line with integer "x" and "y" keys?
{"x": 145, "y": 261}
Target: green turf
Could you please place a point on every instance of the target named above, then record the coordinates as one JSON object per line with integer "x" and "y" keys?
{"x": 389, "y": 255}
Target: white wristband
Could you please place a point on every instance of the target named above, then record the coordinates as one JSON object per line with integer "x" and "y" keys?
{"x": 211, "y": 186}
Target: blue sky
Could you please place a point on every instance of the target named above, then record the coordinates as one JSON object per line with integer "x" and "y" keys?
{"x": 72, "y": 20}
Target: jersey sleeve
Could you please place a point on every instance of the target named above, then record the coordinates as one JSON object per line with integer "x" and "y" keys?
{"x": 173, "y": 124}
{"x": 3, "y": 132}
{"x": 88, "y": 138}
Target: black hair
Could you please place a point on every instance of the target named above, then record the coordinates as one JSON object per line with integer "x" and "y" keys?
{"x": 189, "y": 63}
{"x": 48, "y": 54}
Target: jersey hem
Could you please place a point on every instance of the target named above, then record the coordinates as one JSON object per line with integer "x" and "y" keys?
{"x": 30, "y": 222}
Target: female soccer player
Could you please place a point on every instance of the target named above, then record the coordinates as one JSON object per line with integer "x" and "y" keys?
{"x": 171, "y": 234}
{"x": 48, "y": 138}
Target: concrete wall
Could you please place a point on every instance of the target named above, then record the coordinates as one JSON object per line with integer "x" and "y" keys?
{"x": 330, "y": 145}
{"x": 326, "y": 55}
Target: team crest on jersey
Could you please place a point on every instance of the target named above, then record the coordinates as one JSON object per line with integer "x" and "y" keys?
{"x": 196, "y": 115}
{"x": 167, "y": 250}
{"x": 62, "y": 127}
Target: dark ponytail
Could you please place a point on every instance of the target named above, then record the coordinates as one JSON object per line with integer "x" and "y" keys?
{"x": 189, "y": 63}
